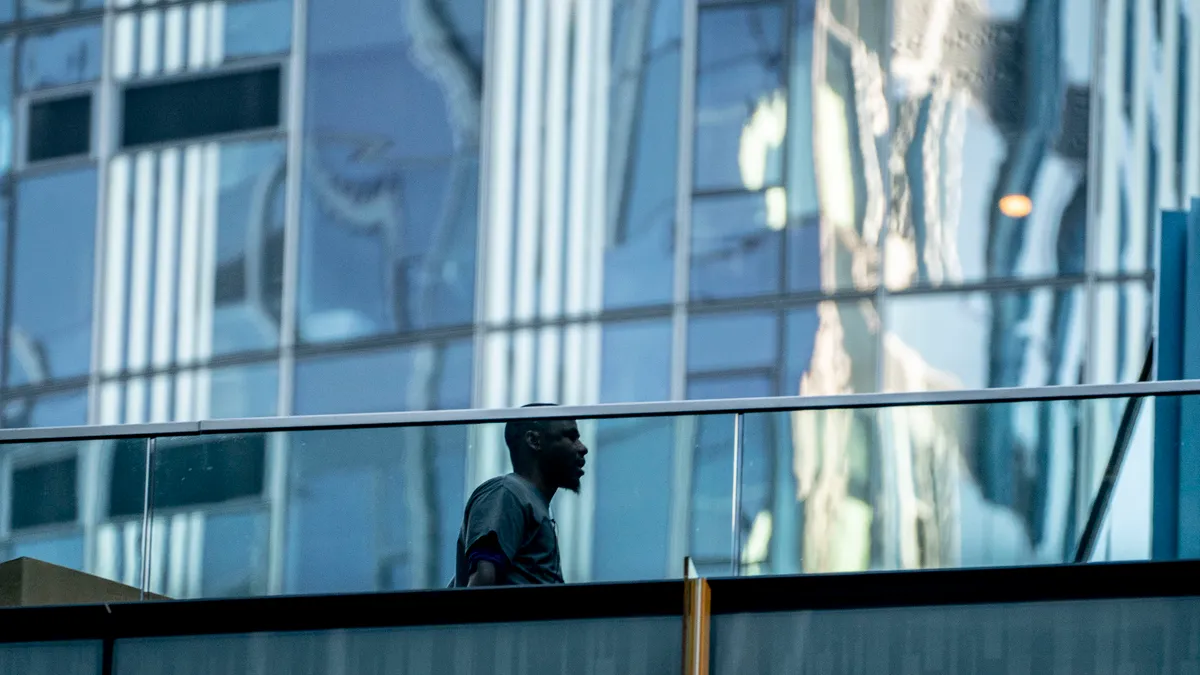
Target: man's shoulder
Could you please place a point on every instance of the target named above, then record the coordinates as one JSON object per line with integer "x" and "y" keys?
{"x": 508, "y": 484}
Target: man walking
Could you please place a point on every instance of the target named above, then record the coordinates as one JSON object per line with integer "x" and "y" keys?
{"x": 507, "y": 535}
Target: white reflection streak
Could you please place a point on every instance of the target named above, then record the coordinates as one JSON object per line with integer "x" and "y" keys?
{"x": 206, "y": 302}
{"x": 528, "y": 212}
{"x": 139, "y": 285}
{"x": 554, "y": 165}
{"x": 124, "y": 45}
{"x": 188, "y": 272}
{"x": 149, "y": 57}
{"x": 173, "y": 40}
{"x": 164, "y": 282}
{"x": 198, "y": 36}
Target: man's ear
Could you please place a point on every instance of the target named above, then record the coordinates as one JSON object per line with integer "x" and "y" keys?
{"x": 534, "y": 440}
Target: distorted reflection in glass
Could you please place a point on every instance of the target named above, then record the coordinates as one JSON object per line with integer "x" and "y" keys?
{"x": 250, "y": 225}
{"x": 1020, "y": 338}
{"x": 6, "y": 104}
{"x": 914, "y": 487}
{"x": 428, "y": 376}
{"x": 737, "y": 244}
{"x": 391, "y": 175}
{"x": 56, "y": 57}
{"x": 992, "y": 102}
{"x": 1122, "y": 321}
{"x": 644, "y": 112}
{"x": 741, "y": 107}
{"x": 53, "y": 258}
{"x": 250, "y": 390}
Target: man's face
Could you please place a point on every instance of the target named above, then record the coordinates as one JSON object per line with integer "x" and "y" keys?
{"x": 562, "y": 454}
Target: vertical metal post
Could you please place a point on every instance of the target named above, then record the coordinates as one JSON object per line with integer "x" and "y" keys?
{"x": 147, "y": 504}
{"x": 736, "y": 521}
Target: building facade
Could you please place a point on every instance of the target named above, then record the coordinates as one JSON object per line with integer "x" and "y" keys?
{"x": 243, "y": 208}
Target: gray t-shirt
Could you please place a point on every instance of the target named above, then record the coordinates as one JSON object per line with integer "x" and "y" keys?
{"x": 508, "y": 512}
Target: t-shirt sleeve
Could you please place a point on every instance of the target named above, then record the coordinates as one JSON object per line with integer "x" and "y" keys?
{"x": 496, "y": 516}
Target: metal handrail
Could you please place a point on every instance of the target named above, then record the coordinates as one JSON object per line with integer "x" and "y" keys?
{"x": 610, "y": 410}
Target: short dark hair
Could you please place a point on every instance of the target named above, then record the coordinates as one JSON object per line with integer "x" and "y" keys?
{"x": 515, "y": 431}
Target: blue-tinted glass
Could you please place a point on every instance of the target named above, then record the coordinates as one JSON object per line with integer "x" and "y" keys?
{"x": 35, "y": 9}
{"x": 52, "y": 658}
{"x": 422, "y": 377}
{"x": 7, "y": 12}
{"x": 50, "y": 334}
{"x": 636, "y": 361}
{"x": 804, "y": 255}
{"x": 61, "y": 550}
{"x": 712, "y": 495}
{"x": 257, "y": 28}
{"x": 801, "y": 337}
{"x": 631, "y": 461}
{"x": 737, "y": 245}
{"x": 732, "y": 341}
{"x": 46, "y": 410}
{"x": 392, "y": 123}
{"x": 245, "y": 391}
{"x": 249, "y": 275}
{"x": 6, "y": 104}
{"x": 639, "y": 257}
{"x": 374, "y": 509}
{"x": 741, "y": 108}
{"x": 235, "y": 554}
{"x": 386, "y": 257}
{"x": 61, "y": 56}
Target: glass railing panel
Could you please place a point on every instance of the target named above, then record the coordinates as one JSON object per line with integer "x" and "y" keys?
{"x": 77, "y": 504}
{"x": 928, "y": 486}
{"x": 379, "y": 509}
{"x": 1145, "y": 635}
{"x": 633, "y": 645}
{"x": 52, "y": 658}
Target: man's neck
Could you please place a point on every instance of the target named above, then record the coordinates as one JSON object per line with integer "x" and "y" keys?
{"x": 539, "y": 483}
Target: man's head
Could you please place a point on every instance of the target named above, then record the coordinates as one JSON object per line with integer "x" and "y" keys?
{"x": 551, "y": 447}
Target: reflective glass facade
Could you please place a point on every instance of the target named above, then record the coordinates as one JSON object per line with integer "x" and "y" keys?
{"x": 240, "y": 208}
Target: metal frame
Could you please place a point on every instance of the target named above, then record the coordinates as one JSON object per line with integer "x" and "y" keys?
{"x": 609, "y": 410}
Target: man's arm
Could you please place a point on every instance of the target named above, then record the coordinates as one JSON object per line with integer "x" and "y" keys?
{"x": 485, "y": 574}
{"x": 495, "y": 528}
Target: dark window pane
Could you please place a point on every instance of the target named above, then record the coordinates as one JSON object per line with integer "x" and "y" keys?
{"x": 61, "y": 56}
{"x": 188, "y": 472}
{"x": 201, "y": 107}
{"x": 60, "y": 128}
{"x": 44, "y": 494}
{"x": 741, "y": 108}
{"x": 422, "y": 377}
{"x": 737, "y": 245}
{"x": 51, "y": 330}
{"x": 257, "y": 28}
{"x": 127, "y": 485}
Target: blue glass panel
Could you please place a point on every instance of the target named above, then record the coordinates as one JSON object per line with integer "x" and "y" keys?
{"x": 62, "y": 409}
{"x": 636, "y": 361}
{"x": 737, "y": 245}
{"x": 245, "y": 391}
{"x": 61, "y": 56}
{"x": 711, "y": 340}
{"x": 422, "y": 377}
{"x": 62, "y": 550}
{"x": 235, "y": 554}
{"x": 6, "y": 104}
{"x": 644, "y": 104}
{"x": 741, "y": 106}
{"x": 257, "y": 28}
{"x": 52, "y": 658}
{"x": 51, "y": 323}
